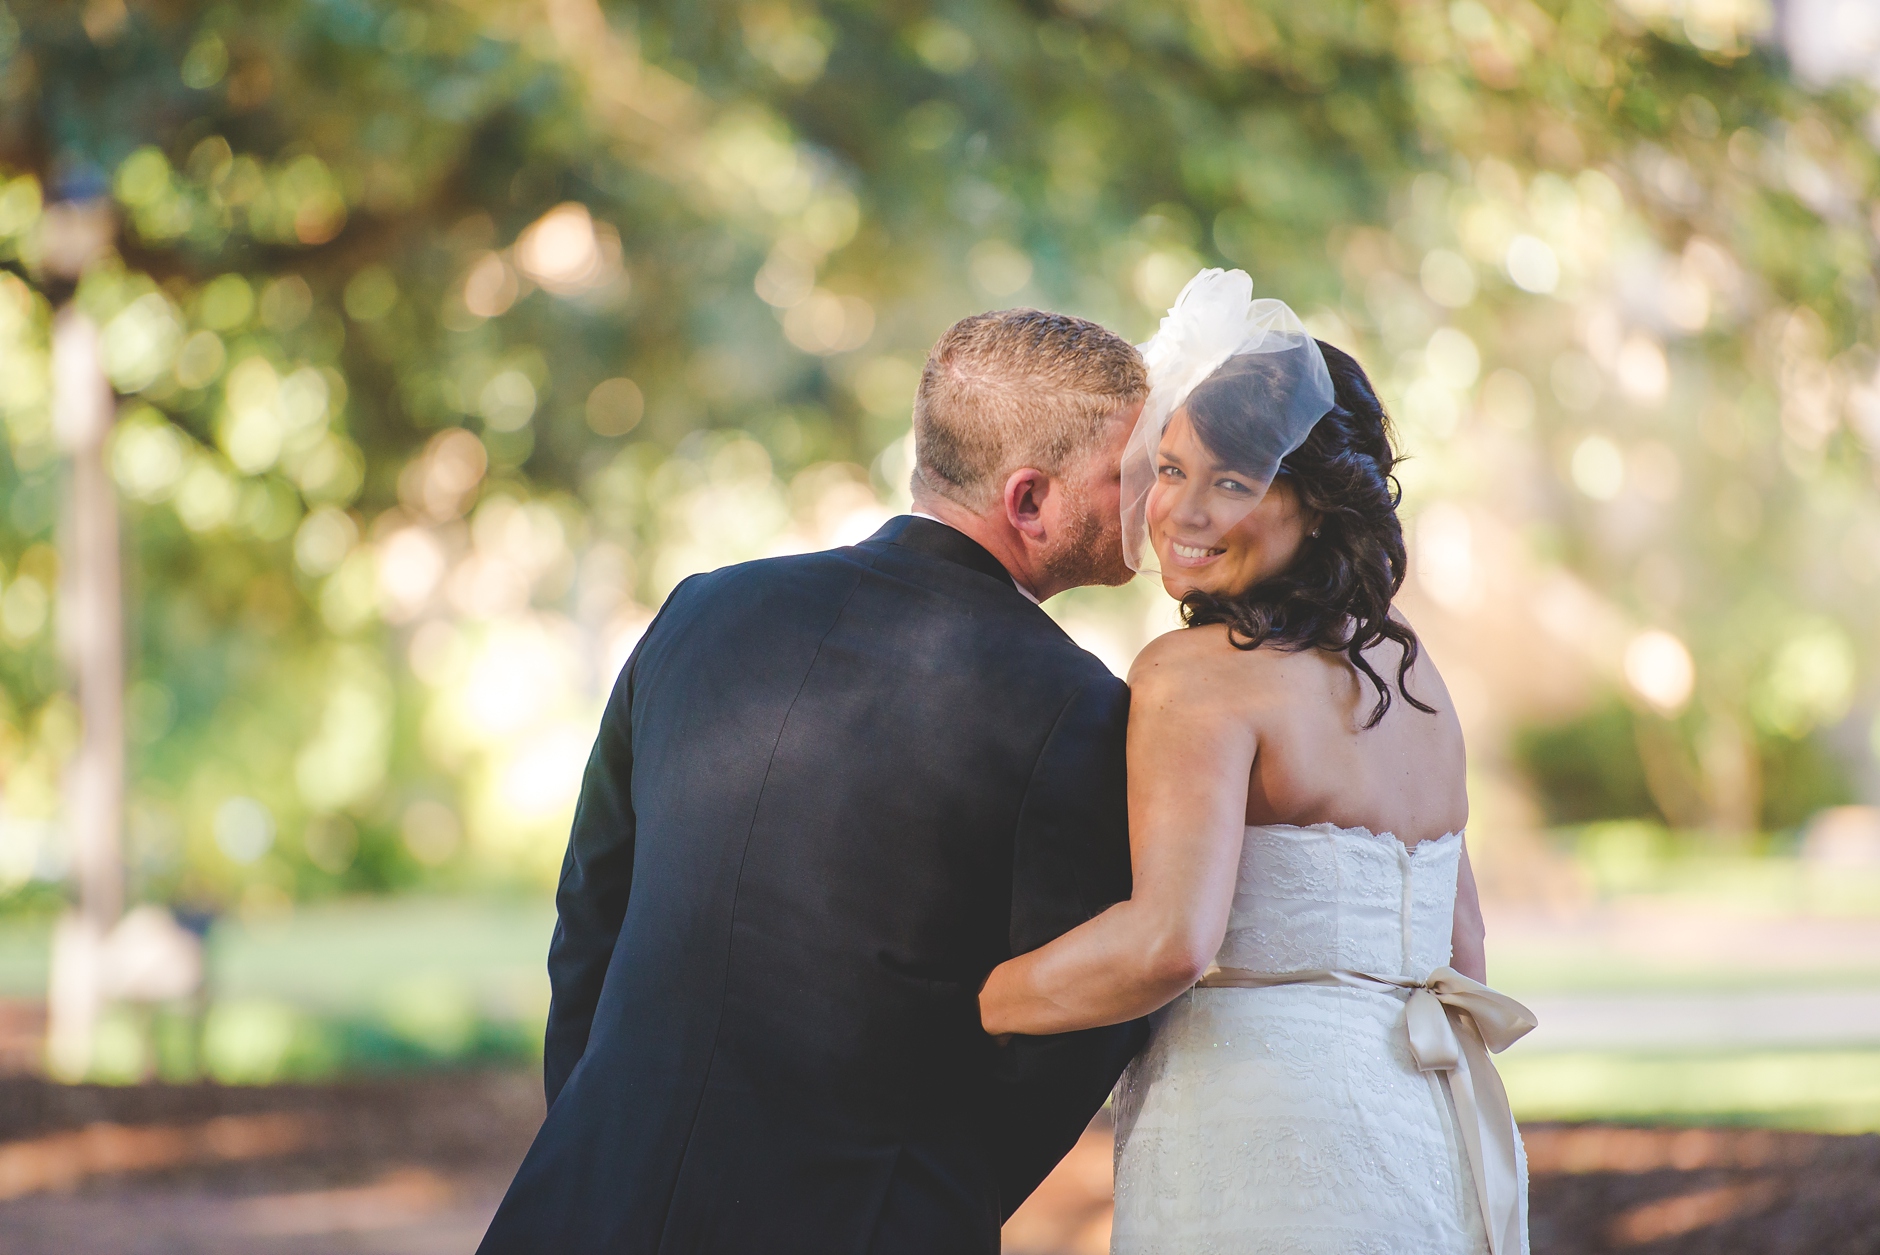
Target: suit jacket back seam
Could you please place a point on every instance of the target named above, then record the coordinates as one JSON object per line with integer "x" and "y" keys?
{"x": 731, "y": 928}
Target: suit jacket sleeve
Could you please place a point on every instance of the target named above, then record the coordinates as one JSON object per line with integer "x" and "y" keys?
{"x": 1071, "y": 860}
{"x": 596, "y": 878}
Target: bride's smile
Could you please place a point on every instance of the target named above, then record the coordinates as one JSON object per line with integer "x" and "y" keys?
{"x": 1193, "y": 556}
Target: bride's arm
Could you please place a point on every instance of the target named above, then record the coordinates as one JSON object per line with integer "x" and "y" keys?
{"x": 1190, "y": 756}
{"x": 1468, "y": 953}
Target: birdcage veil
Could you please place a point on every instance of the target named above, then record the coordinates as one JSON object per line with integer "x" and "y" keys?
{"x": 1250, "y": 358}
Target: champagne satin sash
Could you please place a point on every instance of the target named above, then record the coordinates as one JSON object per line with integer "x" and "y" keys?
{"x": 1453, "y": 1022}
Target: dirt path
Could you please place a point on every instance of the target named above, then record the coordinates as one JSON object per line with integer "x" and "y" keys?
{"x": 414, "y": 1165}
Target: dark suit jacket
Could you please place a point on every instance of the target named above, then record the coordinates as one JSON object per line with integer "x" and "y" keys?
{"x": 830, "y": 793}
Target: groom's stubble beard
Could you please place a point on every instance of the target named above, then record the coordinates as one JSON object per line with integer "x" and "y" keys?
{"x": 1091, "y": 551}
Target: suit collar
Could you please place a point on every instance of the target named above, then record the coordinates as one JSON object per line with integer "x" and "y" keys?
{"x": 940, "y": 541}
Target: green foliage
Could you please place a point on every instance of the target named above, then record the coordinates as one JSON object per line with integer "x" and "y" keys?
{"x": 1799, "y": 778}
{"x": 453, "y": 336}
{"x": 1590, "y": 768}
{"x": 1587, "y": 768}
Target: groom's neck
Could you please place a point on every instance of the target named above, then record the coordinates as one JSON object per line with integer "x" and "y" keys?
{"x": 995, "y": 536}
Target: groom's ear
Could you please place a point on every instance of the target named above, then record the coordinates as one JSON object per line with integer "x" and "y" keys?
{"x": 1026, "y": 491}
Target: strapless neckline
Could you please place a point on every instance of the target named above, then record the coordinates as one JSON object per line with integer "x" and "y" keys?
{"x": 1361, "y": 831}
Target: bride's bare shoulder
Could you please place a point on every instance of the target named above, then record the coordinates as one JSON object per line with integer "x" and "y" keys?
{"x": 1193, "y": 661}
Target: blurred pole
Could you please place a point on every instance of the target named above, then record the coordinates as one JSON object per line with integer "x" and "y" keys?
{"x": 91, "y": 622}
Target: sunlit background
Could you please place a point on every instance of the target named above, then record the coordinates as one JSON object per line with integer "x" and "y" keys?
{"x": 445, "y": 338}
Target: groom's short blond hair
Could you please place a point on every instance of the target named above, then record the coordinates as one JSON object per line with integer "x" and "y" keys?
{"x": 1016, "y": 388}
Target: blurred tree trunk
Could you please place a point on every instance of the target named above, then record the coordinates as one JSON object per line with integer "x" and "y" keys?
{"x": 1671, "y": 775}
{"x": 92, "y": 631}
{"x": 1732, "y": 775}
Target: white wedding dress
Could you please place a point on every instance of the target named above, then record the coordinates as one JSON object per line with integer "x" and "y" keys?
{"x": 1292, "y": 1120}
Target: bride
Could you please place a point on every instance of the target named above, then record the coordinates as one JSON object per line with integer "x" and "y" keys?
{"x": 1302, "y": 892}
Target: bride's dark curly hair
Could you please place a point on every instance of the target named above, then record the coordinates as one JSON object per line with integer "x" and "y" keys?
{"x": 1336, "y": 593}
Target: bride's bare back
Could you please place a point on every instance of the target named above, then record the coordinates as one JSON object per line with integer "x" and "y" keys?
{"x": 1316, "y": 761}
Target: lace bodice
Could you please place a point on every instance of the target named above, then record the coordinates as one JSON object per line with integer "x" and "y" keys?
{"x": 1341, "y": 898}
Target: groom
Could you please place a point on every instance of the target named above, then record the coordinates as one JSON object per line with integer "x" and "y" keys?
{"x": 831, "y": 792}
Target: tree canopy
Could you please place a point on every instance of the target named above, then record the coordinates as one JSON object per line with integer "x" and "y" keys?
{"x": 450, "y": 335}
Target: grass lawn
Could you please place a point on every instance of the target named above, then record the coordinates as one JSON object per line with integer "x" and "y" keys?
{"x": 334, "y": 987}
{"x": 1825, "y": 1091}
{"x": 368, "y": 984}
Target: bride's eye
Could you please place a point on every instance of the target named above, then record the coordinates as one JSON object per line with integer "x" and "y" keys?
{"x": 1233, "y": 486}
{"x": 1171, "y": 472}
